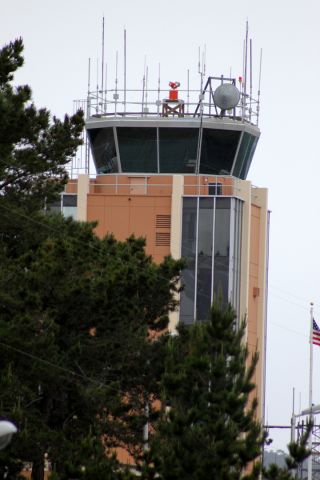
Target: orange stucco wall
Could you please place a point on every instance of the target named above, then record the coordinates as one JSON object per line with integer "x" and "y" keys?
{"x": 127, "y": 205}
{"x": 127, "y": 215}
{"x": 255, "y": 296}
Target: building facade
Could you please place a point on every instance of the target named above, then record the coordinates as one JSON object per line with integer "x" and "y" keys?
{"x": 179, "y": 179}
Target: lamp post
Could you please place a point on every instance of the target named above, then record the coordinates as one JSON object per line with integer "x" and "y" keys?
{"x": 7, "y": 429}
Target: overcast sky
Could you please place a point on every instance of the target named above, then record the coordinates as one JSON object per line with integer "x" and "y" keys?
{"x": 60, "y": 36}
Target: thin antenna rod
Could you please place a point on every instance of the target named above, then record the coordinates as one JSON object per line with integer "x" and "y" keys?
{"x": 125, "y": 69}
{"x": 147, "y": 72}
{"x": 158, "y": 102}
{"x": 246, "y": 63}
{"x": 250, "y": 67}
{"x": 105, "y": 87}
{"x": 188, "y": 89}
{"x": 116, "y": 85}
{"x": 250, "y": 58}
{"x": 89, "y": 75}
{"x": 97, "y": 106}
{"x": 259, "y": 86}
{"x": 102, "y": 55}
{"x": 143, "y": 84}
{"x": 89, "y": 88}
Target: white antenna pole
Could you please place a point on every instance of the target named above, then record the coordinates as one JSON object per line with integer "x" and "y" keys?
{"x": 89, "y": 73}
{"x": 102, "y": 56}
{"x": 143, "y": 84}
{"x": 89, "y": 87}
{"x": 243, "y": 74}
{"x": 125, "y": 69}
{"x": 259, "y": 86}
{"x": 147, "y": 71}
{"x": 97, "y": 105}
{"x": 246, "y": 64}
{"x": 310, "y": 391}
{"x": 293, "y": 419}
{"x": 105, "y": 87}
{"x": 250, "y": 53}
{"x": 116, "y": 85}
{"x": 158, "y": 103}
{"x": 188, "y": 89}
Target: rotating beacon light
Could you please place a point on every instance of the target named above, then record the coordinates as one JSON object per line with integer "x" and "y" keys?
{"x": 173, "y": 93}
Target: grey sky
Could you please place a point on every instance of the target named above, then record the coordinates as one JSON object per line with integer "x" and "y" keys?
{"x": 59, "y": 38}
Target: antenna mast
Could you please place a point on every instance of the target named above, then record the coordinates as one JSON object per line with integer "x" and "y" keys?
{"x": 124, "y": 69}
{"x": 246, "y": 66}
{"x": 102, "y": 57}
{"x": 250, "y": 53}
{"x": 259, "y": 86}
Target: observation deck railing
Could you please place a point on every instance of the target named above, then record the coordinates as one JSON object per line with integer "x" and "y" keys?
{"x": 151, "y": 103}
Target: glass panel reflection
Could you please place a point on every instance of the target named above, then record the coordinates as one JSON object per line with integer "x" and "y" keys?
{"x": 138, "y": 149}
{"x": 221, "y": 249}
{"x": 103, "y": 150}
{"x": 178, "y": 149}
{"x": 218, "y": 150}
{"x": 188, "y": 252}
{"x": 204, "y": 271}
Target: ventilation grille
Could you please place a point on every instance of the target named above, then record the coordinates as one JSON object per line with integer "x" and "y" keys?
{"x": 163, "y": 221}
{"x": 162, "y": 239}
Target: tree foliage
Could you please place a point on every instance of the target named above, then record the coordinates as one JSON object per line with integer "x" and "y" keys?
{"x": 298, "y": 452}
{"x": 209, "y": 428}
{"x": 76, "y": 312}
{"x": 33, "y": 149}
{"x": 75, "y": 316}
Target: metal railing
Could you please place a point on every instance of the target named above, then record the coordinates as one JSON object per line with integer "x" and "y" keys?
{"x": 148, "y": 103}
{"x": 141, "y": 186}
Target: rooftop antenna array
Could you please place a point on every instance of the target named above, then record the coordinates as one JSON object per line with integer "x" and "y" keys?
{"x": 101, "y": 102}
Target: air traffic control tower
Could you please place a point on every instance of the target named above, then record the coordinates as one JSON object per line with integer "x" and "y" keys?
{"x": 174, "y": 170}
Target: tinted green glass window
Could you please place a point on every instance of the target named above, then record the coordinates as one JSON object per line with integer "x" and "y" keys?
{"x": 138, "y": 149}
{"x": 103, "y": 150}
{"x": 178, "y": 149}
{"x": 246, "y": 164}
{"x": 222, "y": 248}
{"x": 245, "y": 154}
{"x": 218, "y": 151}
{"x": 204, "y": 271}
{"x": 188, "y": 251}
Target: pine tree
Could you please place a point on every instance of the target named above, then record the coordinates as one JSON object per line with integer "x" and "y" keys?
{"x": 34, "y": 149}
{"x": 208, "y": 429}
{"x": 76, "y": 311}
{"x": 298, "y": 452}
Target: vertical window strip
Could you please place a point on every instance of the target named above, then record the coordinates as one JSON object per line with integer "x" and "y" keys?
{"x": 158, "y": 151}
{"x": 231, "y": 252}
{"x": 213, "y": 237}
{"x": 196, "y": 265}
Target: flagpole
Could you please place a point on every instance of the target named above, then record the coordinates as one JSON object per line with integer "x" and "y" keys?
{"x": 310, "y": 391}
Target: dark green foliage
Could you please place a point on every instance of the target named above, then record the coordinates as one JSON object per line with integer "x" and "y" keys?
{"x": 298, "y": 452}
{"x": 209, "y": 429}
{"x": 76, "y": 311}
{"x": 33, "y": 150}
{"x": 75, "y": 315}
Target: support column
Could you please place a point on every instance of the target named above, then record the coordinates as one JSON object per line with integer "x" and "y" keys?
{"x": 82, "y": 200}
{"x": 176, "y": 231}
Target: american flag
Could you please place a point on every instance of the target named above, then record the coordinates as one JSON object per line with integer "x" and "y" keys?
{"x": 315, "y": 333}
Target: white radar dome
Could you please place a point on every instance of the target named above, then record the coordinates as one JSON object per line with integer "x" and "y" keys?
{"x": 226, "y": 96}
